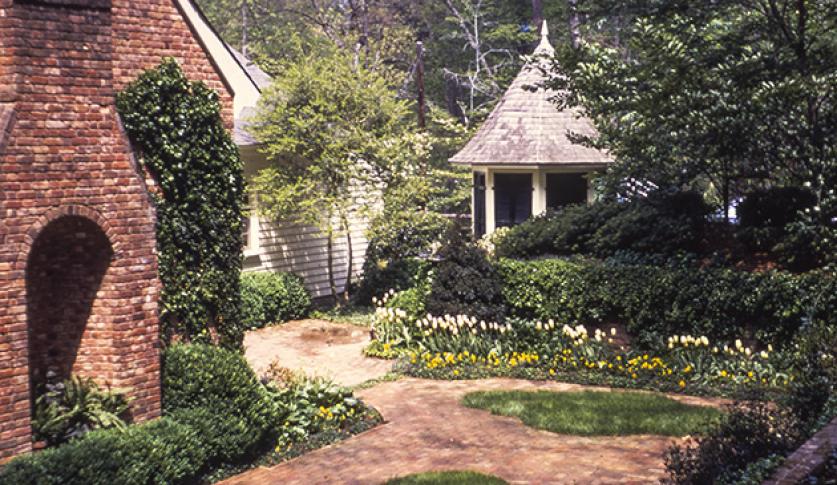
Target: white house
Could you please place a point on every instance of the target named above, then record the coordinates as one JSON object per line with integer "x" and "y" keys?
{"x": 270, "y": 245}
{"x": 522, "y": 159}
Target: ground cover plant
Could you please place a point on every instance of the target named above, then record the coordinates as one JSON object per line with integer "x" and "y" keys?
{"x": 594, "y": 413}
{"x": 447, "y": 478}
{"x": 219, "y": 418}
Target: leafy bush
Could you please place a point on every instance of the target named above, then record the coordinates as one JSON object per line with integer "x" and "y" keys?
{"x": 177, "y": 125}
{"x": 763, "y": 214}
{"x": 160, "y": 452}
{"x": 750, "y": 432}
{"x": 657, "y": 224}
{"x": 72, "y": 408}
{"x": 270, "y": 297}
{"x": 215, "y": 382}
{"x": 654, "y": 301}
{"x": 465, "y": 282}
{"x": 814, "y": 357}
{"x": 217, "y": 417}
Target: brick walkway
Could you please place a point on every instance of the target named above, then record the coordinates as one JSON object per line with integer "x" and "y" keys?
{"x": 427, "y": 429}
{"x": 318, "y": 348}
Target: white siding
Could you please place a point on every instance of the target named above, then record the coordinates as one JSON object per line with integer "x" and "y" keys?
{"x": 302, "y": 249}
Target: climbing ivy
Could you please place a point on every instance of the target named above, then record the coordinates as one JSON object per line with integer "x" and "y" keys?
{"x": 176, "y": 125}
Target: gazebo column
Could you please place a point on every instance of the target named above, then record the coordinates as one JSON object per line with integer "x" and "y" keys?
{"x": 490, "y": 223}
{"x": 538, "y": 192}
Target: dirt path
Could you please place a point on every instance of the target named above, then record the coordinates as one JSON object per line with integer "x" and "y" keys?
{"x": 316, "y": 347}
{"x": 427, "y": 429}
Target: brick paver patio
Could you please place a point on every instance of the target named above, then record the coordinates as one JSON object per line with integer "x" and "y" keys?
{"x": 318, "y": 348}
{"x": 427, "y": 429}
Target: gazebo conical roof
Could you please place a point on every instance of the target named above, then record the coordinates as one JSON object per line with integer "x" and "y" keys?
{"x": 527, "y": 129}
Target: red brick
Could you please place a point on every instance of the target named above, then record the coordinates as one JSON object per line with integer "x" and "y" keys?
{"x": 78, "y": 267}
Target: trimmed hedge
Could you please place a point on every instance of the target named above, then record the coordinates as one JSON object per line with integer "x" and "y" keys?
{"x": 272, "y": 298}
{"x": 655, "y": 302}
{"x": 218, "y": 393}
{"x": 217, "y": 413}
{"x": 160, "y": 452}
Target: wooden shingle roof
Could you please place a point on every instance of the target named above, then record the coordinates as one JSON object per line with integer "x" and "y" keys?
{"x": 526, "y": 128}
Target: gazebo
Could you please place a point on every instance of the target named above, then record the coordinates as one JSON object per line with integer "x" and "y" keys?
{"x": 522, "y": 158}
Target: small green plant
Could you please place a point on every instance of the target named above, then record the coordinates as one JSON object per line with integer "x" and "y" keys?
{"x": 307, "y": 405}
{"x": 76, "y": 406}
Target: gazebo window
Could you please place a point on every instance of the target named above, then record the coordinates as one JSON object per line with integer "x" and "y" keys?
{"x": 512, "y": 198}
{"x": 563, "y": 189}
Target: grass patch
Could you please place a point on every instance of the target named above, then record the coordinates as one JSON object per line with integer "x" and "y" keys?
{"x": 592, "y": 413}
{"x": 447, "y": 478}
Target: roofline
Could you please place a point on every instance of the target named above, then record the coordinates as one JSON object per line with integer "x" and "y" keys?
{"x": 208, "y": 51}
{"x": 587, "y": 165}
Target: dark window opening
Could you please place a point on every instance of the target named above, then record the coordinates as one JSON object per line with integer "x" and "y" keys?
{"x": 479, "y": 204}
{"x": 512, "y": 198}
{"x": 563, "y": 189}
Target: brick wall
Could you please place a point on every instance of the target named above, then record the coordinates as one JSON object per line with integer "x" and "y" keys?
{"x": 78, "y": 275}
{"x": 808, "y": 459}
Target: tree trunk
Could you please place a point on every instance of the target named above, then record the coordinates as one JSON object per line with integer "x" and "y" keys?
{"x": 349, "y": 256}
{"x": 330, "y": 254}
{"x": 452, "y": 97}
{"x": 537, "y": 14}
{"x": 244, "y": 28}
{"x": 575, "y": 24}
{"x": 726, "y": 197}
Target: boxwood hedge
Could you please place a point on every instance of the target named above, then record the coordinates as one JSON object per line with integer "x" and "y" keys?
{"x": 655, "y": 302}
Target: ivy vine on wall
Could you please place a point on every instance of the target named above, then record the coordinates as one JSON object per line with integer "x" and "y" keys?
{"x": 176, "y": 124}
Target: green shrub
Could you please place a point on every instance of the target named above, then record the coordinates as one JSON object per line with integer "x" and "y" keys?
{"x": 177, "y": 126}
{"x": 814, "y": 358}
{"x": 654, "y": 302}
{"x": 211, "y": 381}
{"x": 465, "y": 282}
{"x": 160, "y": 452}
{"x": 657, "y": 224}
{"x": 272, "y": 297}
{"x": 763, "y": 214}
{"x": 750, "y": 432}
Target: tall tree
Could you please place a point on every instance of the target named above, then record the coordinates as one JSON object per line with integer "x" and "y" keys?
{"x": 324, "y": 125}
{"x": 727, "y": 94}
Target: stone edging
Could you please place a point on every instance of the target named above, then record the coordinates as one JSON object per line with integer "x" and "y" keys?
{"x": 808, "y": 458}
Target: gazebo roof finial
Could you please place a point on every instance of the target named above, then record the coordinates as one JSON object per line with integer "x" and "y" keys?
{"x": 544, "y": 47}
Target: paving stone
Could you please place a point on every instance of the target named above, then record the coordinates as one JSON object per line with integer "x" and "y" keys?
{"x": 427, "y": 429}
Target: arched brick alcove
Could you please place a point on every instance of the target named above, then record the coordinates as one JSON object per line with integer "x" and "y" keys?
{"x": 71, "y": 193}
{"x": 65, "y": 279}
